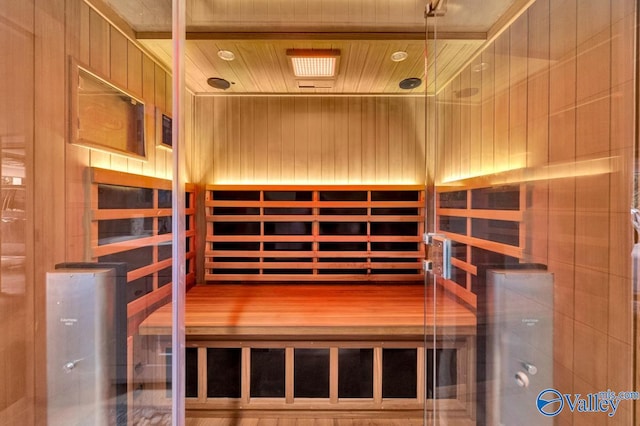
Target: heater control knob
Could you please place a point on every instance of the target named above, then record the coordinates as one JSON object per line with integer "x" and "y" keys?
{"x": 531, "y": 369}
{"x": 522, "y": 379}
{"x": 69, "y": 366}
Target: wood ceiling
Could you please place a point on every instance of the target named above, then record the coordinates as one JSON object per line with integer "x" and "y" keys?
{"x": 365, "y": 31}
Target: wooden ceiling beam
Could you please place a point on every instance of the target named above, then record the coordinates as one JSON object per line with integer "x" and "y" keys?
{"x": 196, "y": 35}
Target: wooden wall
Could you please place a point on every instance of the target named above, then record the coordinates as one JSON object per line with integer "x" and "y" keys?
{"x": 17, "y": 50}
{"x": 40, "y": 37}
{"x": 304, "y": 140}
{"x": 556, "y": 95}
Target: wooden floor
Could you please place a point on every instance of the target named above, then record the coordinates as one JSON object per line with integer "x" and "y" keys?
{"x": 314, "y": 310}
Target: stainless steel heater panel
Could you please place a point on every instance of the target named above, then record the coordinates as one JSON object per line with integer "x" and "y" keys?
{"x": 80, "y": 347}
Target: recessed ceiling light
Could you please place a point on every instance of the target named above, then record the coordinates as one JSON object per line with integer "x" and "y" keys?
{"x": 399, "y": 56}
{"x": 226, "y": 55}
{"x": 317, "y": 63}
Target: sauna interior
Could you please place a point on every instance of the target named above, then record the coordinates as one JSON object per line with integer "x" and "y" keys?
{"x": 433, "y": 239}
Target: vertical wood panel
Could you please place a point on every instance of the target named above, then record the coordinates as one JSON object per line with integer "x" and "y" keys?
{"x": 260, "y": 139}
{"x": 301, "y": 140}
{"x": 99, "y": 37}
{"x": 159, "y": 77}
{"x": 148, "y": 94}
{"x": 288, "y": 152}
{"x": 395, "y": 139}
{"x": 49, "y": 207}
{"x": 456, "y": 129}
{"x": 274, "y": 158}
{"x": 246, "y": 142}
{"x": 315, "y": 140}
{"x": 518, "y": 92}
{"x": 355, "y": 140}
{"x": 488, "y": 109}
{"x": 134, "y": 69}
{"x": 119, "y": 51}
{"x": 99, "y": 58}
{"x": 382, "y": 139}
{"x": 328, "y": 140}
{"x": 475, "y": 119}
{"x": 465, "y": 121}
{"x": 409, "y": 141}
{"x": 501, "y": 117}
{"x": 420, "y": 125}
{"x": 341, "y": 140}
{"x": 538, "y": 85}
{"x": 368, "y": 140}
{"x": 219, "y": 168}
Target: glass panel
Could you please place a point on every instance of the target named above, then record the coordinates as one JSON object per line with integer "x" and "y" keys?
{"x": 191, "y": 372}
{"x": 224, "y": 372}
{"x": 311, "y": 373}
{"x": 546, "y": 153}
{"x": 114, "y": 231}
{"x": 399, "y": 373}
{"x": 124, "y": 197}
{"x": 446, "y": 369}
{"x": 355, "y": 373}
{"x": 267, "y": 373}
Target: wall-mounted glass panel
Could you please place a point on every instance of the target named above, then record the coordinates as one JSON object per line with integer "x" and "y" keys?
{"x": 117, "y": 230}
{"x": 164, "y": 225}
{"x": 165, "y": 276}
{"x": 457, "y": 225}
{"x": 499, "y": 231}
{"x": 453, "y": 200}
{"x": 497, "y": 198}
{"x": 311, "y": 373}
{"x": 139, "y": 287}
{"x": 164, "y": 198}
{"x": 343, "y": 228}
{"x": 287, "y": 228}
{"x": 236, "y": 195}
{"x": 343, "y": 195}
{"x": 136, "y": 258}
{"x": 355, "y": 373}
{"x": 267, "y": 373}
{"x": 446, "y": 374}
{"x": 399, "y": 373}
{"x": 395, "y": 195}
{"x": 191, "y": 372}
{"x": 224, "y": 372}
{"x": 124, "y": 197}
{"x": 236, "y": 228}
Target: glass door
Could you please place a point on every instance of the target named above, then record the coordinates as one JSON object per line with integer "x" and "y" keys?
{"x": 533, "y": 143}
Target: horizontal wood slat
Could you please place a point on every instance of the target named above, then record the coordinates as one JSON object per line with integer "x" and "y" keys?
{"x": 307, "y": 265}
{"x": 489, "y": 218}
{"x": 111, "y": 214}
{"x": 358, "y": 228}
{"x": 112, "y": 177}
{"x": 318, "y": 254}
{"x": 311, "y": 277}
{"x": 313, "y": 218}
{"x": 153, "y": 237}
{"x": 107, "y": 249}
{"x": 311, "y": 204}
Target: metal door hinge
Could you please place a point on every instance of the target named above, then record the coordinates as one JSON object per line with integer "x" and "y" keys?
{"x": 440, "y": 254}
